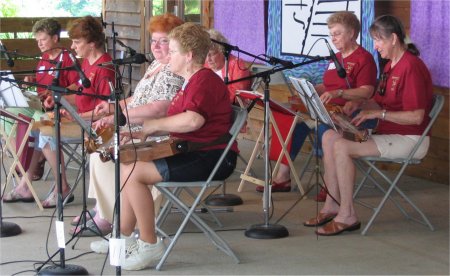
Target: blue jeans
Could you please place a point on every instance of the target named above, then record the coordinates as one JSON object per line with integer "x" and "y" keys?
{"x": 299, "y": 135}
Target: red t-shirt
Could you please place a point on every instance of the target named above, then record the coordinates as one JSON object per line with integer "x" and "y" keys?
{"x": 99, "y": 77}
{"x": 408, "y": 87}
{"x": 66, "y": 77}
{"x": 207, "y": 95}
{"x": 361, "y": 70}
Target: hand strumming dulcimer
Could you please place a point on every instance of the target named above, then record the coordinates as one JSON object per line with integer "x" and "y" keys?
{"x": 342, "y": 121}
{"x": 156, "y": 148}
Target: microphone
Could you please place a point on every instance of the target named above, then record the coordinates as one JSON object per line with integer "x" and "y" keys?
{"x": 55, "y": 81}
{"x": 84, "y": 80}
{"x": 9, "y": 60}
{"x": 136, "y": 59}
{"x": 122, "y": 119}
{"x": 340, "y": 70}
{"x": 131, "y": 50}
{"x": 228, "y": 47}
{"x": 275, "y": 61}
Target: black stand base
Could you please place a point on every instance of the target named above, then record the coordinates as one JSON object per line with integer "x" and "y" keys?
{"x": 266, "y": 231}
{"x": 223, "y": 200}
{"x": 67, "y": 270}
{"x": 9, "y": 229}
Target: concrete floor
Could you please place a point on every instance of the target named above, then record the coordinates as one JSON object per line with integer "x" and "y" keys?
{"x": 393, "y": 245}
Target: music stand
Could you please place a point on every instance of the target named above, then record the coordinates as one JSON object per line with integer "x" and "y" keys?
{"x": 317, "y": 111}
{"x": 274, "y": 106}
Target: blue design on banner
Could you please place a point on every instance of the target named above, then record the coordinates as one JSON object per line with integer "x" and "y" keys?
{"x": 314, "y": 71}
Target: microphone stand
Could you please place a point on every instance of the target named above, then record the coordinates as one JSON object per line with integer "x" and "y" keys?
{"x": 116, "y": 94}
{"x": 267, "y": 230}
{"x": 224, "y": 199}
{"x": 63, "y": 268}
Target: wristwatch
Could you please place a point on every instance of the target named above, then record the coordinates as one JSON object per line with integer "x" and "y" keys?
{"x": 340, "y": 93}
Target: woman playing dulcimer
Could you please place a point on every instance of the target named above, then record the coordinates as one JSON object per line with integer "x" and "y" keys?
{"x": 88, "y": 42}
{"x": 359, "y": 83}
{"x": 151, "y": 99}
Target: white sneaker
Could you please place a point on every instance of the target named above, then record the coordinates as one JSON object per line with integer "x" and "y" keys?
{"x": 144, "y": 255}
{"x": 102, "y": 246}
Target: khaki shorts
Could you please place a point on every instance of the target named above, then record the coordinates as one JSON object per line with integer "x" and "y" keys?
{"x": 399, "y": 146}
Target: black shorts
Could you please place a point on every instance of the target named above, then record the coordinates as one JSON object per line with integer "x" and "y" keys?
{"x": 196, "y": 166}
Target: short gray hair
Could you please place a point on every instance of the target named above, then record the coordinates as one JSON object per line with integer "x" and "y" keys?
{"x": 216, "y": 35}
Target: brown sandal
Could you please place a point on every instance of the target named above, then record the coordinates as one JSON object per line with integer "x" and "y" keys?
{"x": 320, "y": 220}
{"x": 335, "y": 228}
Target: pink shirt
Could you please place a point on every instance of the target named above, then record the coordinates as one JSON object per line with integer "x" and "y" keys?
{"x": 236, "y": 70}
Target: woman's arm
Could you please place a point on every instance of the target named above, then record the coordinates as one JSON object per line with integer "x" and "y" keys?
{"x": 362, "y": 92}
{"x": 414, "y": 117}
{"x": 182, "y": 122}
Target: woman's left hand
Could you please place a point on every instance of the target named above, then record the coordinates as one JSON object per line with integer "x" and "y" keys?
{"x": 64, "y": 113}
{"x": 328, "y": 96}
{"x": 366, "y": 115}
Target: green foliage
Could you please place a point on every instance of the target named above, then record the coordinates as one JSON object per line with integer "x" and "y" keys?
{"x": 80, "y": 7}
{"x": 157, "y": 7}
{"x": 8, "y": 8}
{"x": 192, "y": 6}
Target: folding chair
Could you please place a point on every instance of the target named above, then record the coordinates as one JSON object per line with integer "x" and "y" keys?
{"x": 22, "y": 152}
{"x": 438, "y": 102}
{"x": 172, "y": 190}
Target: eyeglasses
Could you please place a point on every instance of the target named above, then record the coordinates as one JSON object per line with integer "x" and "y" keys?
{"x": 161, "y": 41}
{"x": 171, "y": 52}
{"x": 383, "y": 83}
{"x": 336, "y": 34}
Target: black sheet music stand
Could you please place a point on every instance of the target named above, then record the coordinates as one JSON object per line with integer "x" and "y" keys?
{"x": 318, "y": 112}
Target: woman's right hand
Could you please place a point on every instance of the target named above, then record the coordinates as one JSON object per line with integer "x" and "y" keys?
{"x": 103, "y": 122}
{"x": 101, "y": 109}
{"x": 127, "y": 136}
{"x": 350, "y": 107}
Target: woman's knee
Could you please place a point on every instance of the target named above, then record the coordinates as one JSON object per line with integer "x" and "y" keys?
{"x": 341, "y": 148}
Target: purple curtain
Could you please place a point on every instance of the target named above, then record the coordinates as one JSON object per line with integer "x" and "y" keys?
{"x": 430, "y": 33}
{"x": 242, "y": 23}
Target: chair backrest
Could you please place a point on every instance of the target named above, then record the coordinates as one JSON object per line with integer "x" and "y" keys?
{"x": 239, "y": 116}
{"x": 438, "y": 103}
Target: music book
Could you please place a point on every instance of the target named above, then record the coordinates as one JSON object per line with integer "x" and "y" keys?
{"x": 10, "y": 93}
{"x": 311, "y": 99}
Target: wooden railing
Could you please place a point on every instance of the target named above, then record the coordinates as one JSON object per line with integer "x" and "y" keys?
{"x": 14, "y": 26}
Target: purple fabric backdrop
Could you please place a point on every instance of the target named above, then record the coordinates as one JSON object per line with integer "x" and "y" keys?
{"x": 430, "y": 33}
{"x": 242, "y": 23}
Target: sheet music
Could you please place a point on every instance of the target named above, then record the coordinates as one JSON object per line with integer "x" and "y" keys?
{"x": 303, "y": 22}
{"x": 10, "y": 94}
{"x": 312, "y": 101}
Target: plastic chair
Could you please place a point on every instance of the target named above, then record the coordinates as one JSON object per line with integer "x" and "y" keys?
{"x": 172, "y": 190}
{"x": 438, "y": 103}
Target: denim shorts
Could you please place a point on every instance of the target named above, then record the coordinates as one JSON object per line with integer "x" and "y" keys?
{"x": 196, "y": 166}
